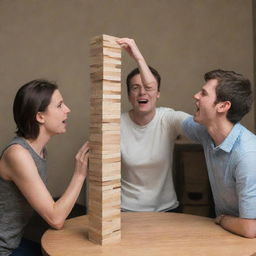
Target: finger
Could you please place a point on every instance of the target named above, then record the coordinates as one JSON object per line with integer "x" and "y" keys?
{"x": 124, "y": 45}
{"x": 85, "y": 158}
{"x": 124, "y": 39}
{"x": 85, "y": 147}
{"x": 82, "y": 156}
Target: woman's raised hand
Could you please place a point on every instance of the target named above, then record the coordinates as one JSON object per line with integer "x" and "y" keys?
{"x": 81, "y": 164}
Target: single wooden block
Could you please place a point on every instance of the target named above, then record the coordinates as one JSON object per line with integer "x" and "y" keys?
{"x": 105, "y": 138}
{"x": 105, "y": 126}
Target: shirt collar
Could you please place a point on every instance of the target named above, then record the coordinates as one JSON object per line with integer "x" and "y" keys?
{"x": 230, "y": 140}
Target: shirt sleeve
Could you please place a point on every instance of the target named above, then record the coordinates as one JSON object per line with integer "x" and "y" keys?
{"x": 246, "y": 185}
{"x": 179, "y": 118}
{"x": 193, "y": 130}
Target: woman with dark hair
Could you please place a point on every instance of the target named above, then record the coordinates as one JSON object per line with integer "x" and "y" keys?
{"x": 39, "y": 113}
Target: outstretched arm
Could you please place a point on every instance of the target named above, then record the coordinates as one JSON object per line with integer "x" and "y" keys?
{"x": 236, "y": 225}
{"x": 19, "y": 167}
{"x": 130, "y": 46}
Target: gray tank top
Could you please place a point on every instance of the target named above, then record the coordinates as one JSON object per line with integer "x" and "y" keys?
{"x": 15, "y": 211}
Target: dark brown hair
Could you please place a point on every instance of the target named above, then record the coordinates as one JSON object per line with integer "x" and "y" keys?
{"x": 31, "y": 98}
{"x": 235, "y": 88}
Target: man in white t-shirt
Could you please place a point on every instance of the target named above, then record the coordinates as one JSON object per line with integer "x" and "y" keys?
{"x": 147, "y": 140}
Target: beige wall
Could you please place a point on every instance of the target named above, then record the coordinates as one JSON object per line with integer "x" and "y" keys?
{"x": 181, "y": 38}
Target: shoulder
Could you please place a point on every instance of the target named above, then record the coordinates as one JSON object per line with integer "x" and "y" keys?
{"x": 14, "y": 158}
{"x": 170, "y": 113}
{"x": 245, "y": 146}
{"x": 245, "y": 142}
{"x": 165, "y": 110}
{"x": 14, "y": 152}
{"x": 248, "y": 138}
{"x": 244, "y": 151}
{"x": 125, "y": 118}
{"x": 194, "y": 130}
{"x": 124, "y": 115}
{"x": 189, "y": 123}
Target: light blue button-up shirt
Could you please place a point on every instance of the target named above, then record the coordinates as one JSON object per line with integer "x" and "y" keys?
{"x": 231, "y": 168}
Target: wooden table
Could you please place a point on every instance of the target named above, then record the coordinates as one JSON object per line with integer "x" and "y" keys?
{"x": 157, "y": 234}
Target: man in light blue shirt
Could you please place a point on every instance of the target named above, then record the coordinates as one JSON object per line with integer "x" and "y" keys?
{"x": 229, "y": 148}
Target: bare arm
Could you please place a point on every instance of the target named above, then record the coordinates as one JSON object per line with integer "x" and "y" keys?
{"x": 19, "y": 167}
{"x": 236, "y": 225}
{"x": 130, "y": 46}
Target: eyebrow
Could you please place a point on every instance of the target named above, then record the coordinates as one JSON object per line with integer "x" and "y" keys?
{"x": 60, "y": 101}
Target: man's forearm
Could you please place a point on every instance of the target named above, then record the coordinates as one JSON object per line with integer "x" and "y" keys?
{"x": 236, "y": 225}
{"x": 146, "y": 75}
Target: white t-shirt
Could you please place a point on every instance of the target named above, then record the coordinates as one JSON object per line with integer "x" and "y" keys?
{"x": 147, "y": 155}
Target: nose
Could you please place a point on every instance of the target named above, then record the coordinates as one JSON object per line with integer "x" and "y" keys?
{"x": 142, "y": 90}
{"x": 67, "y": 109}
{"x": 196, "y": 96}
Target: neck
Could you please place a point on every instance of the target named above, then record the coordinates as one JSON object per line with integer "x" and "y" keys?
{"x": 38, "y": 144}
{"x": 220, "y": 130}
{"x": 141, "y": 118}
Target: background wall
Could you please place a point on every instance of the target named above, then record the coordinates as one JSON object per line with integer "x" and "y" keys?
{"x": 183, "y": 39}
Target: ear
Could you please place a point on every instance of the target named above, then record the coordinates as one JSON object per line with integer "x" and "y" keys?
{"x": 158, "y": 95}
{"x": 40, "y": 117}
{"x": 223, "y": 107}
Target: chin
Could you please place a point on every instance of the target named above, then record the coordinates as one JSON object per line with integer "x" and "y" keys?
{"x": 61, "y": 132}
{"x": 196, "y": 119}
{"x": 146, "y": 109}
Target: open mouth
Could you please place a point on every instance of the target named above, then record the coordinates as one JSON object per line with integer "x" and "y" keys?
{"x": 197, "y": 107}
{"x": 143, "y": 101}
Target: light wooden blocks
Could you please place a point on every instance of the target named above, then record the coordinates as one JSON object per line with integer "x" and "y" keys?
{"x": 104, "y": 161}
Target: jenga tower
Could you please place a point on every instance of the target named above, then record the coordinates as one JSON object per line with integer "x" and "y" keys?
{"x": 104, "y": 161}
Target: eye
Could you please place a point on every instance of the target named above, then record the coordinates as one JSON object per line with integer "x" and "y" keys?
{"x": 203, "y": 93}
{"x": 148, "y": 88}
{"x": 134, "y": 87}
{"x": 60, "y": 105}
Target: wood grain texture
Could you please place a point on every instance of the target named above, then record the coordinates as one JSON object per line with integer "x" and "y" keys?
{"x": 151, "y": 234}
{"x": 104, "y": 160}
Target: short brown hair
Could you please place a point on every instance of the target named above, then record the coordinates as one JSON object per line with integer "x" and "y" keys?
{"x": 235, "y": 88}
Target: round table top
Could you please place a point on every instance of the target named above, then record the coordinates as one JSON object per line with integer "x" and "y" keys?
{"x": 156, "y": 233}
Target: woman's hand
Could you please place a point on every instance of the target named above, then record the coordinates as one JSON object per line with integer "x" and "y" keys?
{"x": 81, "y": 164}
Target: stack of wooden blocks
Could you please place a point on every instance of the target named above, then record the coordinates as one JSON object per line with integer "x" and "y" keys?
{"x": 104, "y": 160}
